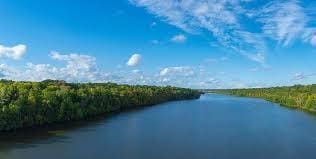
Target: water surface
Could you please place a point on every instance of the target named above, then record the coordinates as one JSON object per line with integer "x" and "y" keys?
{"x": 215, "y": 126}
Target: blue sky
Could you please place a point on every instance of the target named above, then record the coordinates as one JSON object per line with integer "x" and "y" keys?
{"x": 188, "y": 43}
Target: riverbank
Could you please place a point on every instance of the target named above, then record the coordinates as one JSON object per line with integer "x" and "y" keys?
{"x": 301, "y": 97}
{"x": 214, "y": 126}
{"x": 28, "y": 104}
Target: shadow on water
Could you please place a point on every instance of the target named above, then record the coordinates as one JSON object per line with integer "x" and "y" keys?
{"x": 56, "y": 132}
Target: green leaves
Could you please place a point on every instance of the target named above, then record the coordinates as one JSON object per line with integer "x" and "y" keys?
{"x": 298, "y": 96}
{"x": 24, "y": 104}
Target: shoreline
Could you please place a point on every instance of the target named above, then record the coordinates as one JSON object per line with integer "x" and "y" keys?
{"x": 34, "y": 104}
{"x": 306, "y": 110}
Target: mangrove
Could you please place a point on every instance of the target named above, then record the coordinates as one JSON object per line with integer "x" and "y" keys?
{"x": 297, "y": 96}
{"x": 26, "y": 104}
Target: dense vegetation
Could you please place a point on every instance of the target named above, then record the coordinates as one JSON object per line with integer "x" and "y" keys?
{"x": 298, "y": 96}
{"x": 25, "y": 104}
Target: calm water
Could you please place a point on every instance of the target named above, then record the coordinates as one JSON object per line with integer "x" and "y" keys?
{"x": 215, "y": 126}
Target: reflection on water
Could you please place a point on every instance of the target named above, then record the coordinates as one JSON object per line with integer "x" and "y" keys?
{"x": 214, "y": 126}
{"x": 47, "y": 134}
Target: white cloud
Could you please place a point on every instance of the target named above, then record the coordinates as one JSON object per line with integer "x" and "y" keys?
{"x": 136, "y": 71}
{"x": 40, "y": 72}
{"x": 55, "y": 55}
{"x": 75, "y": 60}
{"x": 76, "y": 68}
{"x": 176, "y": 71}
{"x": 258, "y": 57}
{"x": 283, "y": 21}
{"x": 82, "y": 68}
{"x": 7, "y": 71}
{"x": 228, "y": 22}
{"x": 179, "y": 38}
{"x": 134, "y": 60}
{"x": 190, "y": 76}
{"x": 15, "y": 52}
{"x": 210, "y": 82}
{"x": 301, "y": 75}
{"x": 220, "y": 17}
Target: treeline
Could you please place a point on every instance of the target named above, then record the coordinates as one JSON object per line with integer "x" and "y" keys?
{"x": 298, "y": 96}
{"x": 25, "y": 104}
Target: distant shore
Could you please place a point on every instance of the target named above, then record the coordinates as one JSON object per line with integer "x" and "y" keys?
{"x": 301, "y": 97}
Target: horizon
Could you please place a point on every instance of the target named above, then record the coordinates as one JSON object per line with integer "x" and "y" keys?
{"x": 203, "y": 44}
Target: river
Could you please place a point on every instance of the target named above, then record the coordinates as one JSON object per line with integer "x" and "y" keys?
{"x": 214, "y": 126}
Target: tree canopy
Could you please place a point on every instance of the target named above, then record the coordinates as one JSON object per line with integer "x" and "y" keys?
{"x": 25, "y": 104}
{"x": 298, "y": 96}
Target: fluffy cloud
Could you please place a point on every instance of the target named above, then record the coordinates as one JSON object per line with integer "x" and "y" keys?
{"x": 189, "y": 76}
{"x": 81, "y": 68}
{"x": 179, "y": 38}
{"x": 15, "y": 52}
{"x": 134, "y": 60}
{"x": 73, "y": 60}
{"x": 40, "y": 72}
{"x": 7, "y": 71}
{"x": 75, "y": 68}
{"x": 183, "y": 76}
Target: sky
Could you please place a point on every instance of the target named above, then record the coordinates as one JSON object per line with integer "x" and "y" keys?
{"x": 187, "y": 43}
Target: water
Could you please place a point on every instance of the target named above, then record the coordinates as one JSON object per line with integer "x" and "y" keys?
{"x": 215, "y": 126}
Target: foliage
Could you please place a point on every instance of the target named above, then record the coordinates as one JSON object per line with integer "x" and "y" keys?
{"x": 25, "y": 104}
{"x": 298, "y": 96}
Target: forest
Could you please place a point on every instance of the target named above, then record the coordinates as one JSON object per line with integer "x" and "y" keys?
{"x": 27, "y": 104}
{"x": 298, "y": 96}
